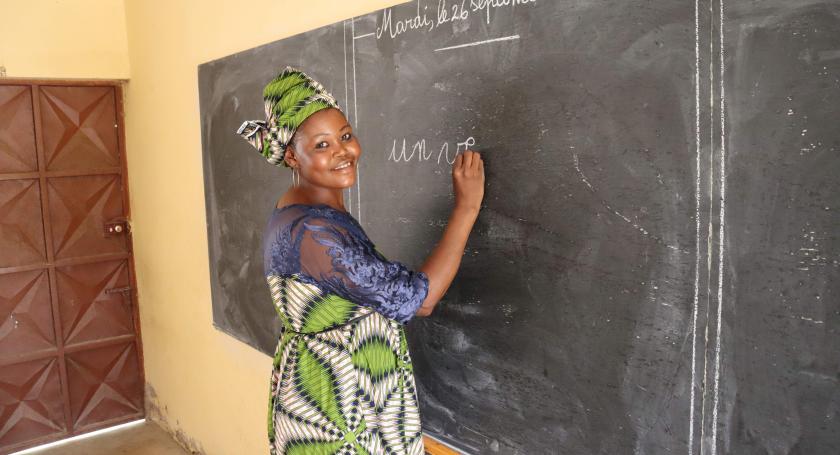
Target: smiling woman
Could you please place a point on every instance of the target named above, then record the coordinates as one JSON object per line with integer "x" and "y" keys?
{"x": 325, "y": 131}
{"x": 342, "y": 379}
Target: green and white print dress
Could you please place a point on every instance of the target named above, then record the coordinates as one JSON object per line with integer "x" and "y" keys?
{"x": 342, "y": 379}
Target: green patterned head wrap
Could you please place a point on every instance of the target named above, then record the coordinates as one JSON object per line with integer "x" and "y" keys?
{"x": 290, "y": 98}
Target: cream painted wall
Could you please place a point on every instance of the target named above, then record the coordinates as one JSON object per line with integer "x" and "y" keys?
{"x": 209, "y": 388}
{"x": 63, "y": 39}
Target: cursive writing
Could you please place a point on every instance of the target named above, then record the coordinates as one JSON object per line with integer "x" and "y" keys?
{"x": 487, "y": 5}
{"x": 419, "y": 152}
{"x": 400, "y": 26}
{"x": 459, "y": 10}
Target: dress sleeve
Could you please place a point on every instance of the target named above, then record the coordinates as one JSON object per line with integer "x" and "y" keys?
{"x": 349, "y": 266}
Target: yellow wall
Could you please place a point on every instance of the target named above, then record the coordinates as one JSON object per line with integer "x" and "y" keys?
{"x": 207, "y": 388}
{"x": 63, "y": 39}
{"x": 210, "y": 388}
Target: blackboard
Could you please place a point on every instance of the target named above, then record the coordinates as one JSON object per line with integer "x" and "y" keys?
{"x": 655, "y": 266}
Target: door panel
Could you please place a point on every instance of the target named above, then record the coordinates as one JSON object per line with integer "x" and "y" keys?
{"x": 26, "y": 314}
{"x": 79, "y": 208}
{"x": 31, "y": 402}
{"x": 21, "y": 225}
{"x": 17, "y": 132}
{"x": 89, "y": 311}
{"x": 105, "y": 384}
{"x": 70, "y": 350}
{"x": 79, "y": 127}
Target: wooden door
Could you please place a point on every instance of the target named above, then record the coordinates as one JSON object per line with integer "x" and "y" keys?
{"x": 70, "y": 357}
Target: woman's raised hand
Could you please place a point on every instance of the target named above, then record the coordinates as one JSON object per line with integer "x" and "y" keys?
{"x": 468, "y": 180}
{"x": 442, "y": 264}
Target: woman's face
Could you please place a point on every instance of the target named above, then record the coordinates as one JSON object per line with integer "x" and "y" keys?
{"x": 321, "y": 146}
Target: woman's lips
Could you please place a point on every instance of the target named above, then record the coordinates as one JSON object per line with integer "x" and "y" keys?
{"x": 347, "y": 168}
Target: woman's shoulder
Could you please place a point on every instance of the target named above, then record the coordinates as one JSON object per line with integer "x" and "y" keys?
{"x": 293, "y": 203}
{"x": 296, "y": 216}
{"x": 296, "y": 209}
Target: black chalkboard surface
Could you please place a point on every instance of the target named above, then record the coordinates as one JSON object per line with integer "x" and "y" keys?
{"x": 655, "y": 266}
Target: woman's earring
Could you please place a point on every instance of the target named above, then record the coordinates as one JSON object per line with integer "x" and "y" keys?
{"x": 294, "y": 175}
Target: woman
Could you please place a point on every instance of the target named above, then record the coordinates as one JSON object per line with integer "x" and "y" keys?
{"x": 342, "y": 378}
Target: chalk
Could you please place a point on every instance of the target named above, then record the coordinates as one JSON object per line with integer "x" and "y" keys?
{"x": 720, "y": 235}
{"x": 347, "y": 101}
{"x": 356, "y": 125}
{"x": 504, "y": 38}
{"x": 697, "y": 226}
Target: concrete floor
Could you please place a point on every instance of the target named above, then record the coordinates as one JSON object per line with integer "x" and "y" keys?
{"x": 145, "y": 438}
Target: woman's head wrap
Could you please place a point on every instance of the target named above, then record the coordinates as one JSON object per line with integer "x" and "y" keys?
{"x": 290, "y": 98}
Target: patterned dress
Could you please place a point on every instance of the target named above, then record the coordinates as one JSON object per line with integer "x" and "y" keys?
{"x": 342, "y": 379}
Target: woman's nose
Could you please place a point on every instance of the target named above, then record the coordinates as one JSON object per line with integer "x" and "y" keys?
{"x": 345, "y": 151}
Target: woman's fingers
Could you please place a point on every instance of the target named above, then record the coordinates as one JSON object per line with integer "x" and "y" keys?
{"x": 475, "y": 160}
{"x": 468, "y": 159}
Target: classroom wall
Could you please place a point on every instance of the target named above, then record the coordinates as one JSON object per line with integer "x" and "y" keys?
{"x": 63, "y": 39}
{"x": 208, "y": 388}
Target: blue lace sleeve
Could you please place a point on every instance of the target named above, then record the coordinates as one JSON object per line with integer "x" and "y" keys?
{"x": 343, "y": 261}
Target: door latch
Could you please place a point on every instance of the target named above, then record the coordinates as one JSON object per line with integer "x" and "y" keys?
{"x": 117, "y": 226}
{"x": 124, "y": 290}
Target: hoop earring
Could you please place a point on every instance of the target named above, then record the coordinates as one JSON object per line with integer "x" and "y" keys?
{"x": 295, "y": 172}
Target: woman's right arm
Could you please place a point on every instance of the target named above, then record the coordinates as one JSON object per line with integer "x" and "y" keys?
{"x": 442, "y": 264}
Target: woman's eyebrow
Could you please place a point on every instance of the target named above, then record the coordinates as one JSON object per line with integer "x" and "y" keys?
{"x": 327, "y": 134}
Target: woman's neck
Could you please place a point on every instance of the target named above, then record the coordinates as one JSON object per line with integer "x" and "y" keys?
{"x": 310, "y": 195}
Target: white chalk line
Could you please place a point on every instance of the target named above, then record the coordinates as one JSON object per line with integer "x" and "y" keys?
{"x": 619, "y": 214}
{"x": 505, "y": 38}
{"x": 346, "y": 103}
{"x": 720, "y": 235}
{"x": 364, "y": 36}
{"x": 709, "y": 232}
{"x": 356, "y": 125}
{"x": 695, "y": 305}
{"x": 583, "y": 177}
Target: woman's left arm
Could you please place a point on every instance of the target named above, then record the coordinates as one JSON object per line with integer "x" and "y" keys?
{"x": 350, "y": 267}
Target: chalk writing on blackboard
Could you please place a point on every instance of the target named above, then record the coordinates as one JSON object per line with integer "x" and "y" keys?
{"x": 420, "y": 152}
{"x": 426, "y": 21}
